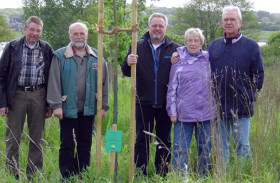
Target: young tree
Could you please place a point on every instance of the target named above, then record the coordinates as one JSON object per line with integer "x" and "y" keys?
{"x": 124, "y": 20}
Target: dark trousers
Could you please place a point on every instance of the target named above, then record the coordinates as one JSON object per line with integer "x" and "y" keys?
{"x": 145, "y": 116}
{"x": 75, "y": 132}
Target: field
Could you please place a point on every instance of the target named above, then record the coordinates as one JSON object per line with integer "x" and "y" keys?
{"x": 263, "y": 166}
{"x": 264, "y": 35}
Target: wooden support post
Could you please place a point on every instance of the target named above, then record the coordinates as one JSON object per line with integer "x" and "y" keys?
{"x": 99, "y": 86}
{"x": 133, "y": 94}
{"x": 113, "y": 155}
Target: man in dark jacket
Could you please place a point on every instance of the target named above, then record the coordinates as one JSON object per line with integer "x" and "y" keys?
{"x": 238, "y": 75}
{"x": 24, "y": 69}
{"x": 152, "y": 74}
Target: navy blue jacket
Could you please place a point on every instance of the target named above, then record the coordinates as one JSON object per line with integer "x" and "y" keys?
{"x": 151, "y": 88}
{"x": 237, "y": 73}
{"x": 10, "y": 66}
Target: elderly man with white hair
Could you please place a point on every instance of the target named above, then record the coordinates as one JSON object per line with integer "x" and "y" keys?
{"x": 238, "y": 74}
{"x": 72, "y": 96}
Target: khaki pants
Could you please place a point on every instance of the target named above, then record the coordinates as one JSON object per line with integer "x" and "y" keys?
{"x": 33, "y": 105}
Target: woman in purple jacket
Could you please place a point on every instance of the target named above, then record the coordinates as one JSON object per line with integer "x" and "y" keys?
{"x": 190, "y": 104}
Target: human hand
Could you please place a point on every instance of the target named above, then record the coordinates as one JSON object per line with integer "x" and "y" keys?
{"x": 132, "y": 59}
{"x": 173, "y": 118}
{"x": 103, "y": 113}
{"x": 174, "y": 58}
{"x": 4, "y": 111}
{"x": 58, "y": 113}
{"x": 48, "y": 112}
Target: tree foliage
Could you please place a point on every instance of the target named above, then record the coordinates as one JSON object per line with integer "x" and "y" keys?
{"x": 124, "y": 20}
{"x": 267, "y": 16}
{"x": 57, "y": 15}
{"x": 274, "y": 39}
{"x": 6, "y": 33}
{"x": 271, "y": 52}
{"x": 206, "y": 14}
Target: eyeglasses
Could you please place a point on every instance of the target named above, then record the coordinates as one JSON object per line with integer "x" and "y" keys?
{"x": 190, "y": 41}
{"x": 33, "y": 30}
{"x": 76, "y": 34}
{"x": 154, "y": 26}
{"x": 229, "y": 19}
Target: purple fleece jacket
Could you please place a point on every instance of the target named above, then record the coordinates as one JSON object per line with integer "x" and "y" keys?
{"x": 189, "y": 90}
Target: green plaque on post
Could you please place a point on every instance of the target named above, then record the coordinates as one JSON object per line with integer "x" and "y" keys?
{"x": 113, "y": 140}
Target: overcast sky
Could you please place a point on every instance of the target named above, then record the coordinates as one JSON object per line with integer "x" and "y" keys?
{"x": 271, "y": 6}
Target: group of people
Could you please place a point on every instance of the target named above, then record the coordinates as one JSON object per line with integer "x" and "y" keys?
{"x": 181, "y": 85}
{"x": 198, "y": 91}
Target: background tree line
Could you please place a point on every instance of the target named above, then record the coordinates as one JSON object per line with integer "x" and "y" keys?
{"x": 57, "y": 15}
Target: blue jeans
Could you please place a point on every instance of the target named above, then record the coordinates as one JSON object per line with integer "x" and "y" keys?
{"x": 182, "y": 139}
{"x": 240, "y": 131}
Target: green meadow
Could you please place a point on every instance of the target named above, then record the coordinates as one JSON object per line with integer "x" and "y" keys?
{"x": 264, "y": 35}
{"x": 263, "y": 166}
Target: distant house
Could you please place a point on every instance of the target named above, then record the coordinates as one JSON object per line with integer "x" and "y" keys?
{"x": 15, "y": 23}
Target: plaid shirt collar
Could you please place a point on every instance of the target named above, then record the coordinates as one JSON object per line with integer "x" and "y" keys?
{"x": 37, "y": 46}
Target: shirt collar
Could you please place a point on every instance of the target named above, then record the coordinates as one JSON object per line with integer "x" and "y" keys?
{"x": 70, "y": 51}
{"x": 26, "y": 44}
{"x": 233, "y": 39}
{"x": 163, "y": 41}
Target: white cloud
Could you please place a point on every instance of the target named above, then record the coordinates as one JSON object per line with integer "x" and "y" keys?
{"x": 271, "y": 6}
{"x": 11, "y": 3}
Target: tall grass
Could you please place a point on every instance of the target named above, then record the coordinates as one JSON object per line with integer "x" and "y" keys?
{"x": 263, "y": 165}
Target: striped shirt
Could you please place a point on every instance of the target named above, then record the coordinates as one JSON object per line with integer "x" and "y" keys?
{"x": 32, "y": 66}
